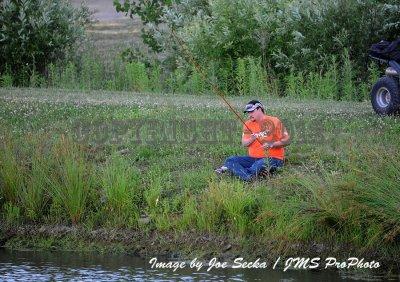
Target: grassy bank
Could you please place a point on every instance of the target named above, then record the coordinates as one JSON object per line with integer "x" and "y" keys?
{"x": 145, "y": 162}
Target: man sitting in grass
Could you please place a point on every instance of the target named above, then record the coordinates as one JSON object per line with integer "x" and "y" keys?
{"x": 265, "y": 137}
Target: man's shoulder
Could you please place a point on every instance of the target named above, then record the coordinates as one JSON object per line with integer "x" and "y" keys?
{"x": 272, "y": 119}
{"x": 248, "y": 124}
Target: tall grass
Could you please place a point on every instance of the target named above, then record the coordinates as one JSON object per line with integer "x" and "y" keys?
{"x": 243, "y": 76}
{"x": 378, "y": 194}
{"x": 155, "y": 79}
{"x": 349, "y": 91}
{"x": 92, "y": 74}
{"x": 338, "y": 82}
{"x": 122, "y": 192}
{"x": 11, "y": 172}
{"x": 137, "y": 77}
{"x": 33, "y": 194}
{"x": 195, "y": 83}
{"x": 6, "y": 80}
{"x": 35, "y": 178}
{"x": 69, "y": 77}
{"x": 294, "y": 84}
{"x": 71, "y": 181}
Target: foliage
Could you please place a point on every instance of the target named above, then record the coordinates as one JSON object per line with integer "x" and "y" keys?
{"x": 286, "y": 35}
{"x": 150, "y": 13}
{"x": 36, "y": 33}
{"x": 315, "y": 30}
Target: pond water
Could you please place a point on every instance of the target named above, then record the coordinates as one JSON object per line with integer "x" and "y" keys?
{"x": 62, "y": 266}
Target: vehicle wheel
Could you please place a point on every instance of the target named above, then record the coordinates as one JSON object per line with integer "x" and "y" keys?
{"x": 385, "y": 96}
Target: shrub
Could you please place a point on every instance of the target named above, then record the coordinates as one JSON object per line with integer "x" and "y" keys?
{"x": 288, "y": 35}
{"x": 37, "y": 33}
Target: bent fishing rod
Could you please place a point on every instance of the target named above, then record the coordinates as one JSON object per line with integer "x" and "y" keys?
{"x": 190, "y": 58}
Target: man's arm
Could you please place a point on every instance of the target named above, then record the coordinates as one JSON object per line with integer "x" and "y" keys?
{"x": 247, "y": 139}
{"x": 248, "y": 136}
{"x": 282, "y": 142}
{"x": 285, "y": 140}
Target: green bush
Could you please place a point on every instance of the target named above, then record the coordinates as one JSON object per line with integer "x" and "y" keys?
{"x": 316, "y": 30}
{"x": 36, "y": 33}
{"x": 288, "y": 35}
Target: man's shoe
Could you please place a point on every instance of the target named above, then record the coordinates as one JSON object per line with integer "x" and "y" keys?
{"x": 221, "y": 170}
{"x": 264, "y": 173}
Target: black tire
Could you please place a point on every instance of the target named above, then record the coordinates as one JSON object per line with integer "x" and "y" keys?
{"x": 385, "y": 96}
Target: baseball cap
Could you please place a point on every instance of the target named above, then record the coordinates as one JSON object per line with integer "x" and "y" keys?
{"x": 252, "y": 105}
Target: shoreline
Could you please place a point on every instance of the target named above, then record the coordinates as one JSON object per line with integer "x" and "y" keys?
{"x": 178, "y": 245}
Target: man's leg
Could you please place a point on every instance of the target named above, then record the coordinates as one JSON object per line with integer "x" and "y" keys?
{"x": 257, "y": 167}
{"x": 239, "y": 166}
{"x": 267, "y": 167}
{"x": 274, "y": 165}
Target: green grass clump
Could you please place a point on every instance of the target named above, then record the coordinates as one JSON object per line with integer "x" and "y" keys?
{"x": 33, "y": 194}
{"x": 71, "y": 180}
{"x": 11, "y": 174}
{"x": 136, "y": 77}
{"x": 121, "y": 191}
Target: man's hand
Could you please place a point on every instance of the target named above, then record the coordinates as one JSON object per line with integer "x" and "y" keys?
{"x": 261, "y": 134}
{"x": 253, "y": 137}
{"x": 269, "y": 145}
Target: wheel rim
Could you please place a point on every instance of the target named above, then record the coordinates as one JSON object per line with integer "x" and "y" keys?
{"x": 383, "y": 97}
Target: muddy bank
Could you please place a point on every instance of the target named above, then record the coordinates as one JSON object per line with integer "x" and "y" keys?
{"x": 178, "y": 245}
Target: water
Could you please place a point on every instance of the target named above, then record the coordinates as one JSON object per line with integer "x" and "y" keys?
{"x": 62, "y": 266}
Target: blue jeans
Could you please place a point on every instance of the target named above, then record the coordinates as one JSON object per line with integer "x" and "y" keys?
{"x": 246, "y": 167}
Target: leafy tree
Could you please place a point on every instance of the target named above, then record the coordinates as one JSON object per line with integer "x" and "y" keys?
{"x": 150, "y": 12}
{"x": 35, "y": 33}
{"x": 314, "y": 30}
{"x": 287, "y": 34}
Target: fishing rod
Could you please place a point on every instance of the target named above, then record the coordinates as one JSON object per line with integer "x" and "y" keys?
{"x": 214, "y": 87}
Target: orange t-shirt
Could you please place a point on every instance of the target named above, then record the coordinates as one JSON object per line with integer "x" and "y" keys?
{"x": 273, "y": 129}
